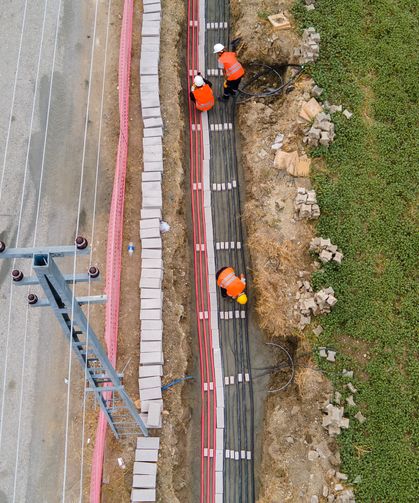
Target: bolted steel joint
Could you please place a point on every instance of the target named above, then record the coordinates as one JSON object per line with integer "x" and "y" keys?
{"x": 32, "y": 299}
{"x": 93, "y": 272}
{"x": 17, "y": 275}
{"x": 2, "y": 246}
{"x": 81, "y": 242}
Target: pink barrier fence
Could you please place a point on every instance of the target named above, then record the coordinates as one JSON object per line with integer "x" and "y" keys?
{"x": 115, "y": 227}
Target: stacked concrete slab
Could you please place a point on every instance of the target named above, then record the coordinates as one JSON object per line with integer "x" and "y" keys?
{"x": 151, "y": 338}
{"x": 214, "y": 315}
{"x": 151, "y": 291}
{"x": 145, "y": 469}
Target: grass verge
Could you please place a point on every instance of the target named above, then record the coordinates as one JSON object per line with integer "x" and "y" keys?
{"x": 368, "y": 197}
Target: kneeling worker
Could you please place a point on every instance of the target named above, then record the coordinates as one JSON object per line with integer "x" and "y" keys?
{"x": 231, "y": 285}
{"x": 232, "y": 69}
{"x": 201, "y": 93}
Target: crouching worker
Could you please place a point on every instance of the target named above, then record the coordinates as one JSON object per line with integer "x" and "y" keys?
{"x": 231, "y": 285}
{"x": 201, "y": 93}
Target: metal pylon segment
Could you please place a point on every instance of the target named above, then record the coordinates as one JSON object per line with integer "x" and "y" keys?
{"x": 104, "y": 381}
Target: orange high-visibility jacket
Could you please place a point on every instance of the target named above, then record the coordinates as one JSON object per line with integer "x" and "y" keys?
{"x": 204, "y": 97}
{"x": 233, "y": 69}
{"x": 228, "y": 280}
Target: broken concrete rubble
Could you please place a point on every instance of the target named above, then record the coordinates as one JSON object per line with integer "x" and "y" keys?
{"x": 334, "y": 420}
{"x": 326, "y": 250}
{"x": 306, "y": 204}
{"x": 312, "y": 304}
{"x": 310, "y": 109}
{"x": 310, "y": 49}
{"x": 361, "y": 418}
{"x": 321, "y": 132}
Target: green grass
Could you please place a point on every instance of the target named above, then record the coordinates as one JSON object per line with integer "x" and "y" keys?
{"x": 368, "y": 198}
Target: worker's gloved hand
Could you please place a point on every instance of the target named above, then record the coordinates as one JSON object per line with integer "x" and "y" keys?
{"x": 235, "y": 43}
{"x": 225, "y": 84}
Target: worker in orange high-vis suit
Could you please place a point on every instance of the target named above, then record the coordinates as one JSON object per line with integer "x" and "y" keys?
{"x": 201, "y": 93}
{"x": 232, "y": 69}
{"x": 231, "y": 285}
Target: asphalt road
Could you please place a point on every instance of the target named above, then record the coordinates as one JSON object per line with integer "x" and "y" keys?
{"x": 44, "y": 168}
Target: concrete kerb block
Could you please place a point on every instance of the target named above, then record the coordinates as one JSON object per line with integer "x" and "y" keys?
{"x": 151, "y": 346}
{"x": 148, "y": 443}
{"x": 220, "y": 396}
{"x": 151, "y": 263}
{"x": 153, "y": 166}
{"x": 150, "y": 28}
{"x": 141, "y": 468}
{"x": 151, "y": 293}
{"x": 146, "y": 455}
{"x": 219, "y": 459}
{"x": 149, "y": 233}
{"x": 144, "y": 481}
{"x": 143, "y": 495}
{"x": 151, "y": 176}
{"x": 152, "y": 325}
{"x": 153, "y": 153}
{"x": 151, "y": 359}
{"x": 153, "y": 122}
{"x": 148, "y": 87}
{"x": 219, "y": 379}
{"x": 220, "y": 417}
{"x": 149, "y": 70}
{"x": 151, "y": 335}
{"x": 150, "y": 99}
{"x": 146, "y": 404}
{"x": 150, "y": 283}
{"x": 152, "y": 141}
{"x": 153, "y": 132}
{"x": 152, "y": 273}
{"x": 154, "y": 415}
{"x": 154, "y": 7}
{"x": 152, "y": 16}
{"x": 219, "y": 482}
{"x": 151, "y": 213}
{"x": 149, "y": 382}
{"x": 150, "y": 371}
{"x": 151, "y": 243}
{"x": 150, "y": 394}
{"x": 147, "y": 2}
{"x": 217, "y": 359}
{"x": 151, "y": 112}
{"x": 150, "y": 314}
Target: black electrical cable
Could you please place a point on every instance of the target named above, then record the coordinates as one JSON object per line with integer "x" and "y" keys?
{"x": 265, "y": 70}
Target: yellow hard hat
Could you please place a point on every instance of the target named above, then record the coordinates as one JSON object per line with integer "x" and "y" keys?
{"x": 242, "y": 298}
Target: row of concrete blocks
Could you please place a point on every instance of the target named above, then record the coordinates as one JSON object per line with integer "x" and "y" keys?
{"x": 215, "y": 337}
{"x": 151, "y": 293}
{"x": 151, "y": 339}
{"x": 145, "y": 469}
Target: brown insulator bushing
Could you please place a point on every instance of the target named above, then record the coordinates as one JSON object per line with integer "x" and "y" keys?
{"x": 93, "y": 272}
{"x": 32, "y": 298}
{"x": 17, "y": 275}
{"x": 81, "y": 242}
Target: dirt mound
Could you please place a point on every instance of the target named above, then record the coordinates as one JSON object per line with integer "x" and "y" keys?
{"x": 260, "y": 40}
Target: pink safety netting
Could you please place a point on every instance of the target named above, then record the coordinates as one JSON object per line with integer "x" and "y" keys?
{"x": 114, "y": 245}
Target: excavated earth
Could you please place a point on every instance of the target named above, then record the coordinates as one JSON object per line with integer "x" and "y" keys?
{"x": 278, "y": 246}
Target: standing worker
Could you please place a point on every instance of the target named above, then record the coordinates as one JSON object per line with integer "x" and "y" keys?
{"x": 232, "y": 69}
{"x": 201, "y": 93}
{"x": 231, "y": 285}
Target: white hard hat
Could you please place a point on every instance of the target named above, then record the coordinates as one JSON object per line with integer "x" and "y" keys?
{"x": 198, "y": 81}
{"x": 218, "y": 48}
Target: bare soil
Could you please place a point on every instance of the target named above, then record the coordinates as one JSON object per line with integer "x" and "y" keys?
{"x": 278, "y": 246}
